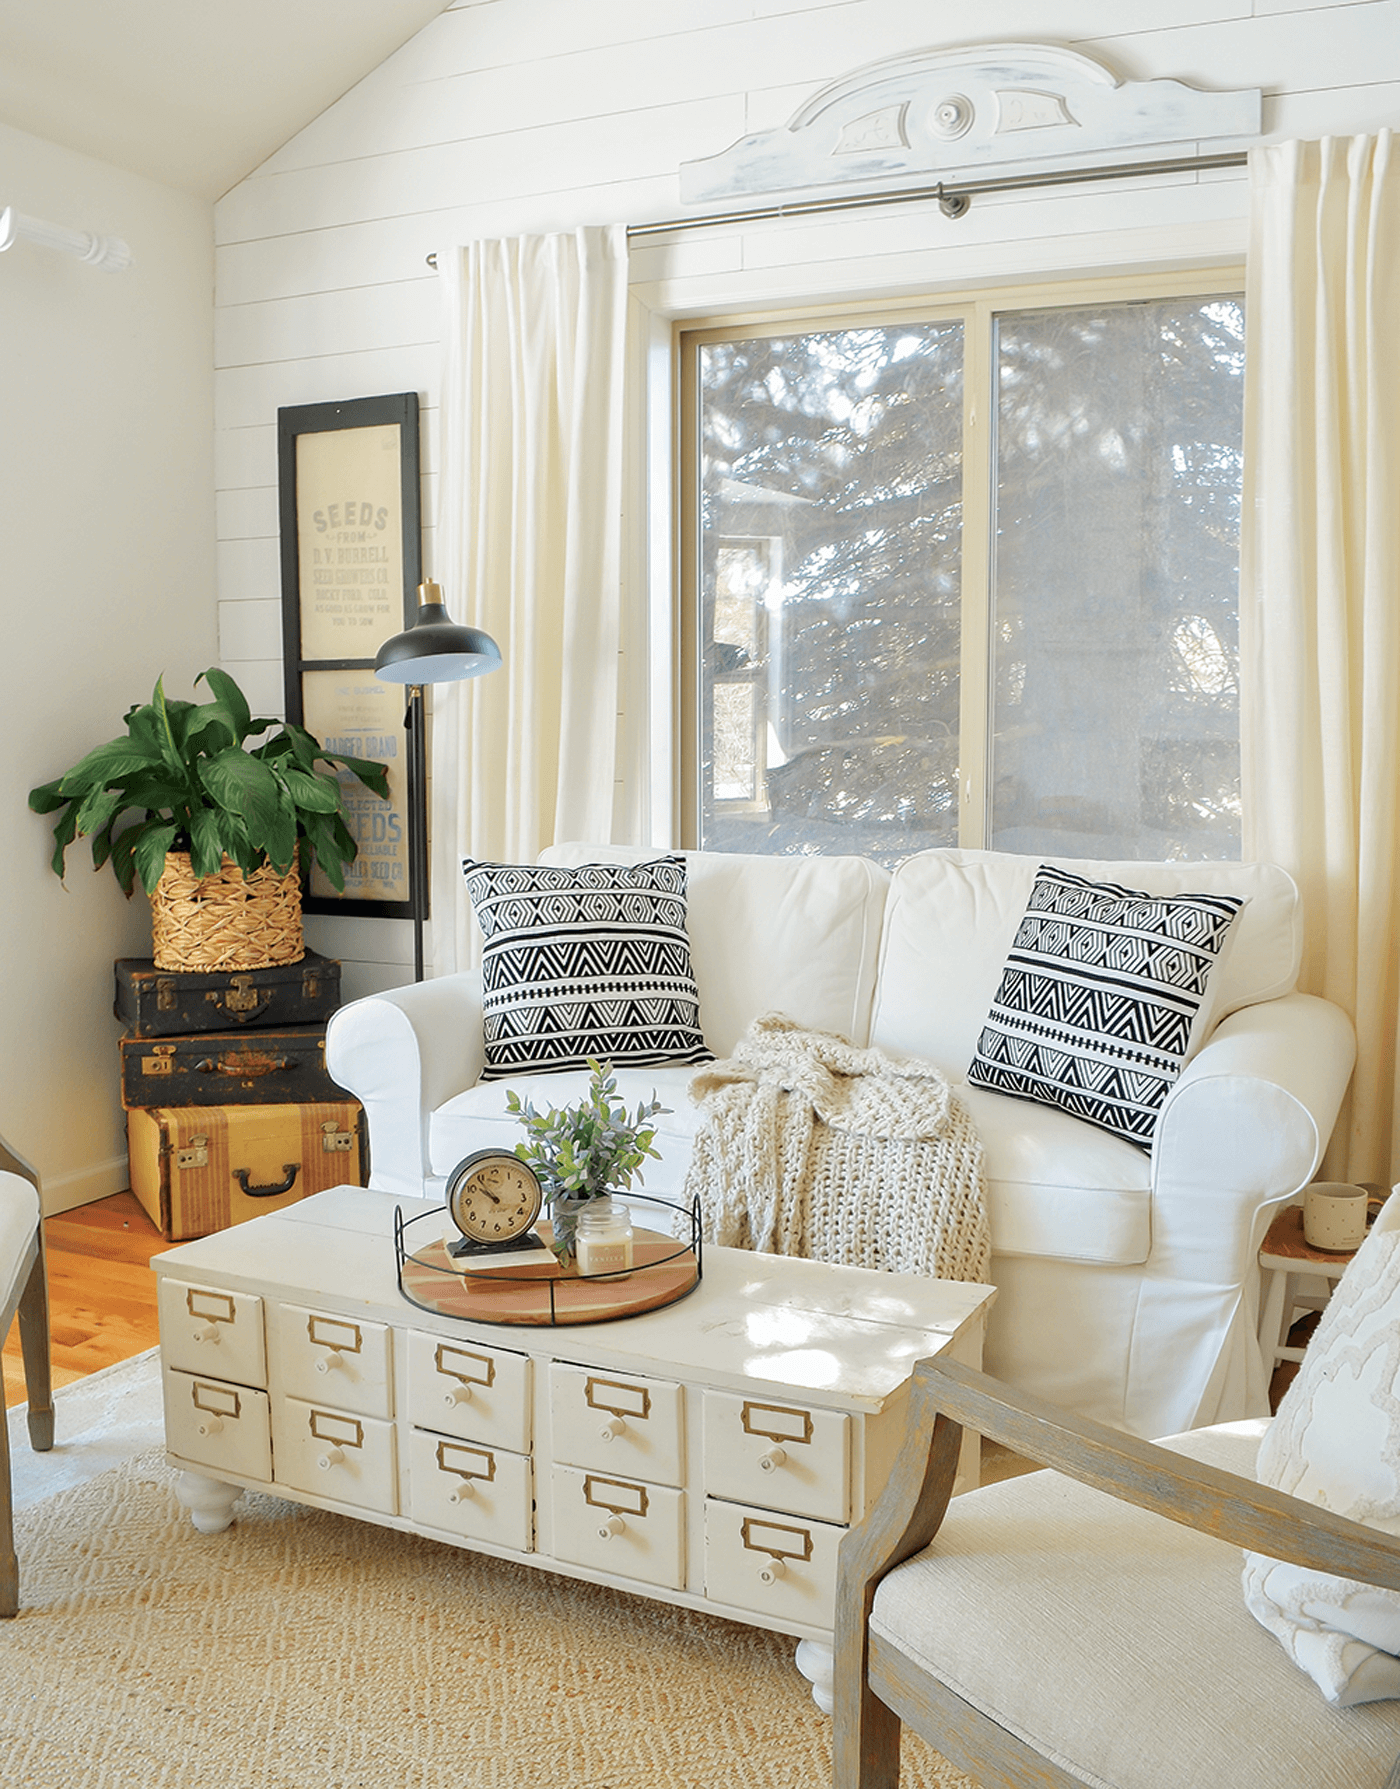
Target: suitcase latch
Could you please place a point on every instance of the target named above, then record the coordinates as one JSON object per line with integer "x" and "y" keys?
{"x": 161, "y": 1062}
{"x": 241, "y": 996}
{"x": 310, "y": 985}
{"x": 194, "y": 1155}
{"x": 167, "y": 998}
{"x": 335, "y": 1141}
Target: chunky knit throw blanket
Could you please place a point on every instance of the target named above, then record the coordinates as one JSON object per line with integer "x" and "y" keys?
{"x": 811, "y": 1146}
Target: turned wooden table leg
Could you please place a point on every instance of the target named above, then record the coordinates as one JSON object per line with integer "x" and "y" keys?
{"x": 817, "y": 1664}
{"x": 209, "y": 1500}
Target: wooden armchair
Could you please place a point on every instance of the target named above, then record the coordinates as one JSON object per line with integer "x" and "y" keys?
{"x": 1088, "y": 1625}
{"x": 23, "y": 1289}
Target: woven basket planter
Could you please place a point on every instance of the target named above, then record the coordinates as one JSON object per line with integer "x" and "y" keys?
{"x": 223, "y": 921}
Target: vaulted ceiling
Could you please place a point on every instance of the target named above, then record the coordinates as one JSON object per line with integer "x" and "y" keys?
{"x": 192, "y": 93}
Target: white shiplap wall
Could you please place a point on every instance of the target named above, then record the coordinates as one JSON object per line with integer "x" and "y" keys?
{"x": 511, "y": 116}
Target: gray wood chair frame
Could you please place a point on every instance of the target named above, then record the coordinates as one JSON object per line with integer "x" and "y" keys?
{"x": 32, "y": 1305}
{"x": 877, "y": 1688}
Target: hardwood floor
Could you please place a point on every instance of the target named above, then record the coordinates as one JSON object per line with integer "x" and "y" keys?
{"x": 102, "y": 1292}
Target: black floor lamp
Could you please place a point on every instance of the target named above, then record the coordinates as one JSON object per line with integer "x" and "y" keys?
{"x": 433, "y": 650}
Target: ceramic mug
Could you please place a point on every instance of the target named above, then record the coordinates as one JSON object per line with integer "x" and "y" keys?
{"x": 1334, "y": 1216}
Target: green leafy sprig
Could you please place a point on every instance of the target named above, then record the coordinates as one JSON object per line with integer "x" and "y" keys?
{"x": 590, "y": 1149}
{"x": 184, "y": 779}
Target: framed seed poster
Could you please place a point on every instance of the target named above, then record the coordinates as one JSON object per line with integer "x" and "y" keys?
{"x": 351, "y": 539}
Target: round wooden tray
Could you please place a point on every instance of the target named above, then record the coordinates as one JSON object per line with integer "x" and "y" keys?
{"x": 665, "y": 1268}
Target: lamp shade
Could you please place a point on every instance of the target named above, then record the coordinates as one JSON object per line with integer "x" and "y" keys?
{"x": 435, "y": 649}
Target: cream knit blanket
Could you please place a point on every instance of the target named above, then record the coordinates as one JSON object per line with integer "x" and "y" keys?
{"x": 811, "y": 1146}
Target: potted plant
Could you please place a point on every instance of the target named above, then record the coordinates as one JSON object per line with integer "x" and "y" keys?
{"x": 215, "y": 828}
{"x": 586, "y": 1151}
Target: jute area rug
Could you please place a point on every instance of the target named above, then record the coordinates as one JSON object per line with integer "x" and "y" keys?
{"x": 302, "y": 1650}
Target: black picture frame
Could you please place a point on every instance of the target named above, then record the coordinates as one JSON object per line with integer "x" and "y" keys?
{"x": 351, "y": 538}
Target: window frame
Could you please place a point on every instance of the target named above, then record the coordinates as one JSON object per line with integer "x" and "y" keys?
{"x": 978, "y": 309}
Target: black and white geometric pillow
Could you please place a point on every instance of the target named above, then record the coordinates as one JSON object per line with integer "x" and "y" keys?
{"x": 1098, "y": 997}
{"x": 592, "y": 961}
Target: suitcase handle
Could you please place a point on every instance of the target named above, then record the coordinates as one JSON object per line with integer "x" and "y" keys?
{"x": 290, "y": 1169}
{"x": 243, "y": 1065}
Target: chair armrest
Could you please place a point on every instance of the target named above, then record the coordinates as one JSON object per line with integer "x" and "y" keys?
{"x": 402, "y": 1053}
{"x": 947, "y": 1397}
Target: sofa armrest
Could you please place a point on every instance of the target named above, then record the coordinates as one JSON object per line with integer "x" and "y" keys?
{"x": 402, "y": 1053}
{"x": 1254, "y": 1109}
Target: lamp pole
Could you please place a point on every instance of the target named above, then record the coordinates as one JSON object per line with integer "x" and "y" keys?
{"x": 433, "y": 650}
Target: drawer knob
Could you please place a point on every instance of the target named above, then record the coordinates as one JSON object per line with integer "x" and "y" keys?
{"x": 211, "y": 1425}
{"x": 614, "y": 1525}
{"x": 459, "y": 1394}
{"x": 328, "y": 1361}
{"x": 772, "y": 1570}
{"x": 462, "y": 1493}
{"x": 614, "y": 1426}
{"x": 773, "y": 1459}
{"x": 333, "y": 1456}
{"x": 210, "y": 1333}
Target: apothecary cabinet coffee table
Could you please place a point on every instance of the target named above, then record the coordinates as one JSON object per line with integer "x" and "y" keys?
{"x": 709, "y": 1454}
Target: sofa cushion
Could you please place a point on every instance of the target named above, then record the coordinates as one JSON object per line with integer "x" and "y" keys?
{"x": 796, "y": 935}
{"x": 1058, "y": 1189}
{"x": 952, "y": 915}
{"x": 1102, "y": 991}
{"x": 591, "y": 962}
{"x": 1054, "y": 1188}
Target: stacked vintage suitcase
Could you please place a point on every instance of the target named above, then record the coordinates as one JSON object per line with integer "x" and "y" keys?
{"x": 230, "y": 1111}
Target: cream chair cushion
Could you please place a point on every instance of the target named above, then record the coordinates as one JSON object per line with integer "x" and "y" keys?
{"x": 1137, "y": 1623}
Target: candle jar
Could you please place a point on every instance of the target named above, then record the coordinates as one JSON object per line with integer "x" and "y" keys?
{"x": 604, "y": 1238}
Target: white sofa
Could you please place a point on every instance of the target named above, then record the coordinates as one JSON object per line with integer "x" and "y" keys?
{"x": 1128, "y": 1282}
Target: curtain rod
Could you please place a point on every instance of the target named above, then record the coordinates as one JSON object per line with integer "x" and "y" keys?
{"x": 954, "y": 200}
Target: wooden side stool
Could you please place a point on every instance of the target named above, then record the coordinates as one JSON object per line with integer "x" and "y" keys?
{"x": 1286, "y": 1259}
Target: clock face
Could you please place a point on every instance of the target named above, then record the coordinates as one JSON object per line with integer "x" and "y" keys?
{"x": 493, "y": 1196}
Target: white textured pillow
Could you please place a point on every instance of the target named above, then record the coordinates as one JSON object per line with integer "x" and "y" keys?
{"x": 1336, "y": 1442}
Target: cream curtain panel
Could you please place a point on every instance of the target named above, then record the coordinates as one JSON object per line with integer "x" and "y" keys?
{"x": 1320, "y": 588}
{"x": 529, "y": 527}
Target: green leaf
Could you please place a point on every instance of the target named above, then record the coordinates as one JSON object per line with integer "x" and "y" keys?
{"x": 319, "y": 794}
{"x": 206, "y": 843}
{"x": 99, "y": 809}
{"x": 47, "y": 799}
{"x": 148, "y": 852}
{"x": 244, "y": 786}
{"x": 373, "y": 775}
{"x": 111, "y": 763}
{"x": 230, "y": 698}
{"x": 63, "y": 836}
{"x": 123, "y": 865}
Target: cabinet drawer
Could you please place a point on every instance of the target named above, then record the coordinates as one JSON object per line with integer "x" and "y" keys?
{"x": 336, "y": 1454}
{"x": 215, "y": 1424}
{"x": 619, "y": 1526}
{"x": 624, "y": 1425}
{"x": 777, "y": 1565}
{"x": 481, "y": 1394}
{"x": 480, "y": 1493}
{"x": 339, "y": 1361}
{"x": 203, "y": 1330}
{"x": 779, "y": 1456}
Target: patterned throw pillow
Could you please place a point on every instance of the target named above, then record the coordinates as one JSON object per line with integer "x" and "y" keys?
{"x": 592, "y": 961}
{"x": 1098, "y": 998}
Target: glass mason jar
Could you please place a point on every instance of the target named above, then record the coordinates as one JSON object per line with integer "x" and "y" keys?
{"x": 603, "y": 1244}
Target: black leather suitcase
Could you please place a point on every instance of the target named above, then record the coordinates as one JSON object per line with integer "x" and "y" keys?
{"x": 246, "y": 1068}
{"x": 153, "y": 1002}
